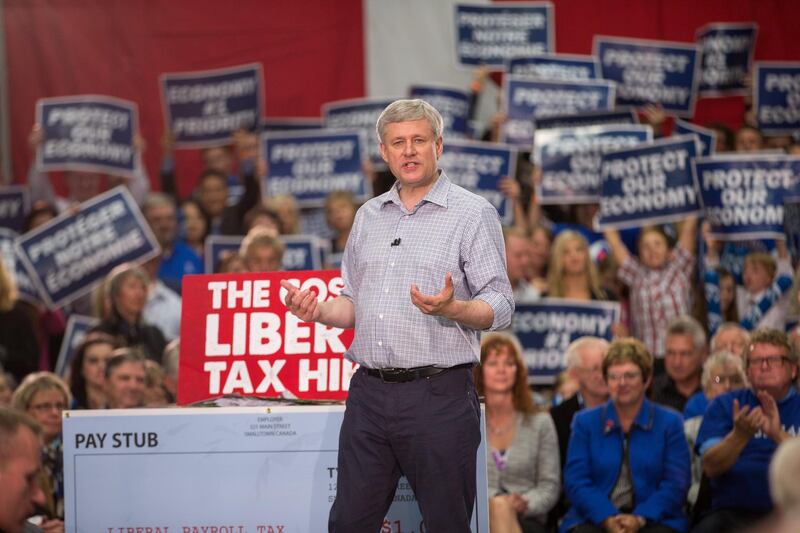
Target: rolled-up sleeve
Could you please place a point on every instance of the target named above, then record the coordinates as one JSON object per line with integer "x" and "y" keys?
{"x": 484, "y": 256}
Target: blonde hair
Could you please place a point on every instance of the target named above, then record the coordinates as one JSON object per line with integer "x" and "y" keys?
{"x": 38, "y": 382}
{"x": 555, "y": 274}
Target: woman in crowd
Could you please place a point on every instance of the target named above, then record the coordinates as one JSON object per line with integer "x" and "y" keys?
{"x": 627, "y": 464}
{"x": 722, "y": 372}
{"x": 87, "y": 371}
{"x": 541, "y": 240}
{"x": 340, "y": 212}
{"x": 523, "y": 465}
{"x": 571, "y": 273}
{"x": 196, "y": 225}
{"x": 43, "y": 396}
{"x": 124, "y": 299}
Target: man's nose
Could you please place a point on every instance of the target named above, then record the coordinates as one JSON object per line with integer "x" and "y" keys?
{"x": 409, "y": 148}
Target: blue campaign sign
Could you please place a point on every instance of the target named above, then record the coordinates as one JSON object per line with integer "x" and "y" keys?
{"x": 727, "y": 57}
{"x": 8, "y": 254}
{"x": 77, "y": 328}
{"x": 650, "y": 72}
{"x": 705, "y": 136}
{"x": 565, "y": 67}
{"x": 527, "y": 100}
{"x": 89, "y": 133}
{"x": 71, "y": 254}
{"x": 569, "y": 159}
{"x": 358, "y": 114}
{"x": 310, "y": 165}
{"x": 479, "y": 167}
{"x": 776, "y": 98}
{"x": 302, "y": 252}
{"x": 204, "y": 108}
{"x": 290, "y": 124}
{"x": 743, "y": 195}
{"x": 492, "y": 34}
{"x": 546, "y": 328}
{"x": 594, "y": 118}
{"x": 14, "y": 206}
{"x": 650, "y": 184}
{"x": 453, "y": 104}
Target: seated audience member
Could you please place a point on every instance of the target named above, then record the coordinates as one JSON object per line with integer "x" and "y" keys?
{"x": 177, "y": 258}
{"x": 583, "y": 361}
{"x": 683, "y": 363}
{"x": 659, "y": 280}
{"x": 627, "y": 464}
{"x": 748, "y": 139}
{"x": 124, "y": 300}
{"x": 125, "y": 379}
{"x": 87, "y": 375}
{"x": 340, "y": 212}
{"x": 730, "y": 337}
{"x": 540, "y": 240}
{"x": 571, "y": 273}
{"x": 261, "y": 216}
{"x": 262, "y": 251}
{"x": 518, "y": 264}
{"x": 725, "y": 139}
{"x": 522, "y": 464}
{"x": 19, "y": 351}
{"x": 43, "y": 396}
{"x": 722, "y": 372}
{"x": 155, "y": 393}
{"x": 784, "y": 471}
{"x": 288, "y": 212}
{"x": 720, "y": 295}
{"x": 230, "y": 262}
{"x": 564, "y": 388}
{"x": 742, "y": 429}
{"x": 20, "y": 462}
{"x": 196, "y": 226}
{"x": 163, "y": 305}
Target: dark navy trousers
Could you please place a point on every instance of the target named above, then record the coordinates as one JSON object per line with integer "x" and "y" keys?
{"x": 427, "y": 430}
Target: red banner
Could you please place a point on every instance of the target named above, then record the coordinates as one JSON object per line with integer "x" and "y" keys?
{"x": 237, "y": 337}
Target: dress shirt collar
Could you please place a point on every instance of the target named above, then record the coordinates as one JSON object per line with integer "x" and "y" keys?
{"x": 437, "y": 194}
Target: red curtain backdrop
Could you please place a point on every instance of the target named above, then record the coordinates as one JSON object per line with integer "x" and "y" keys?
{"x": 311, "y": 50}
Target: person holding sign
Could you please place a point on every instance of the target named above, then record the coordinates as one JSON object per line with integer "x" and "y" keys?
{"x": 423, "y": 273}
{"x": 659, "y": 280}
{"x": 627, "y": 464}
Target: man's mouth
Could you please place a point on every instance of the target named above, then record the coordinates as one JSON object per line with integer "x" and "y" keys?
{"x": 410, "y": 165}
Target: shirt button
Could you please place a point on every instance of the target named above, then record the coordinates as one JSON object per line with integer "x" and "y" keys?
{"x": 380, "y": 343}
{"x": 391, "y": 264}
{"x": 380, "y": 316}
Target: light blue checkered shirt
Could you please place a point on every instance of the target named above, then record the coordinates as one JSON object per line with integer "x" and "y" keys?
{"x": 450, "y": 230}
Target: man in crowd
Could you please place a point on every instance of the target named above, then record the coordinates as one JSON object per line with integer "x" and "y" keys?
{"x": 262, "y": 250}
{"x": 741, "y": 431}
{"x": 518, "y": 263}
{"x": 730, "y": 337}
{"x": 683, "y": 362}
{"x": 423, "y": 272}
{"x": 20, "y": 462}
{"x": 125, "y": 380}
{"x": 177, "y": 258}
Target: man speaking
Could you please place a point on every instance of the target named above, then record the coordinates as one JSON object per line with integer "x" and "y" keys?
{"x": 424, "y": 271}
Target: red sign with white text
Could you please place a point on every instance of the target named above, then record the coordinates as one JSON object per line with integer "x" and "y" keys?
{"x": 238, "y": 337}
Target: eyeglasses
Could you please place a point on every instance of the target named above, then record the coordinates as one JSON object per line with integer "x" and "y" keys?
{"x": 627, "y": 376}
{"x": 590, "y": 369}
{"x": 44, "y": 407}
{"x": 770, "y": 361}
{"x": 732, "y": 380}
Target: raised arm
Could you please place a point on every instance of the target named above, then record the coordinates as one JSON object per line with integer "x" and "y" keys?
{"x": 618, "y": 248}
{"x": 687, "y": 234}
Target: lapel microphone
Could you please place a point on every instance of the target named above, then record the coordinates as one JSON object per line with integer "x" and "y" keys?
{"x": 396, "y": 242}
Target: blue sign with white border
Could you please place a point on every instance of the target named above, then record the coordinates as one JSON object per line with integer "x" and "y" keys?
{"x": 358, "y": 114}
{"x": 452, "y": 104}
{"x": 727, "y": 57}
{"x": 204, "y": 108}
{"x": 8, "y": 254}
{"x": 651, "y": 72}
{"x": 595, "y": 118}
{"x": 705, "y": 136}
{"x": 564, "y": 67}
{"x": 301, "y": 252}
{"x": 14, "y": 206}
{"x": 776, "y": 97}
{"x": 77, "y": 328}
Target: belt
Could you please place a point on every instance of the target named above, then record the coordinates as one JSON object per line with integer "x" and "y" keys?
{"x": 403, "y": 375}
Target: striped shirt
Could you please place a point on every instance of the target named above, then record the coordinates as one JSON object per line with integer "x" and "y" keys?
{"x": 657, "y": 296}
{"x": 390, "y": 248}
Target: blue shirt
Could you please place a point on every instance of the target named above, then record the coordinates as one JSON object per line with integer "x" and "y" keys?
{"x": 745, "y": 485}
{"x": 177, "y": 262}
{"x": 390, "y": 248}
{"x": 695, "y": 405}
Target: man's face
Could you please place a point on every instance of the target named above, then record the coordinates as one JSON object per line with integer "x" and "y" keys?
{"x": 518, "y": 258}
{"x": 653, "y": 250}
{"x": 732, "y": 340}
{"x": 682, "y": 361}
{"x": 755, "y": 277}
{"x": 768, "y": 368}
{"x": 218, "y": 158}
{"x": 125, "y": 386}
{"x": 213, "y": 195}
{"x": 261, "y": 258}
{"x": 590, "y": 372}
{"x": 20, "y": 492}
{"x": 411, "y": 151}
{"x": 163, "y": 222}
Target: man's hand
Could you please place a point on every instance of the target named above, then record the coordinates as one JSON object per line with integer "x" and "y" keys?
{"x": 747, "y": 421}
{"x": 629, "y": 523}
{"x": 52, "y": 526}
{"x": 612, "y": 524}
{"x": 302, "y": 304}
{"x": 771, "y": 424}
{"x": 437, "y": 304}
